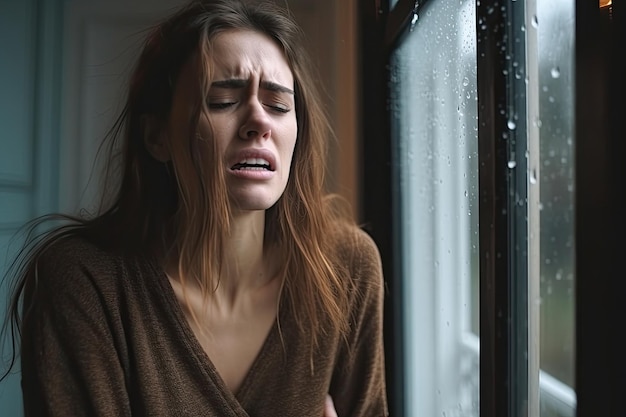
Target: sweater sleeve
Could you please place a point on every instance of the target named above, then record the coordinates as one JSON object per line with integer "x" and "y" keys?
{"x": 358, "y": 385}
{"x": 70, "y": 365}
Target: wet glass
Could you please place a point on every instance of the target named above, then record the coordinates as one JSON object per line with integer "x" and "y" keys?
{"x": 433, "y": 107}
{"x": 554, "y": 25}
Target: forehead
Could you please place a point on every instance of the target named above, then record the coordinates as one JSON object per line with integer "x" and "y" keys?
{"x": 248, "y": 54}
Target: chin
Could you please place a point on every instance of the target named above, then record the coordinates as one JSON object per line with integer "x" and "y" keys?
{"x": 253, "y": 204}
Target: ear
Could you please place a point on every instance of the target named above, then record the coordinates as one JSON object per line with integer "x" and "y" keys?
{"x": 155, "y": 138}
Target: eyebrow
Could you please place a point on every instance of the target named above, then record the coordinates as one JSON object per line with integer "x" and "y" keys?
{"x": 235, "y": 83}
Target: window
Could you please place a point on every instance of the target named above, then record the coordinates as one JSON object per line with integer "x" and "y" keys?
{"x": 479, "y": 104}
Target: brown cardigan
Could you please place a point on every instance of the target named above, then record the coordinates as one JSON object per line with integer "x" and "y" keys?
{"x": 107, "y": 337}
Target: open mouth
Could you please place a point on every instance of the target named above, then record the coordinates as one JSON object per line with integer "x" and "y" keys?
{"x": 253, "y": 164}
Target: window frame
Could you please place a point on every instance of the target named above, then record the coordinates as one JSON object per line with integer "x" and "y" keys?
{"x": 600, "y": 223}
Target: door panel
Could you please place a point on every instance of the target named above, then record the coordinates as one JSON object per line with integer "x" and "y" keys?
{"x": 102, "y": 39}
{"x": 17, "y": 55}
{"x": 17, "y": 168}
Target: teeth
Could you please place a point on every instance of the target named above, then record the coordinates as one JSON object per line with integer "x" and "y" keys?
{"x": 254, "y": 161}
{"x": 257, "y": 164}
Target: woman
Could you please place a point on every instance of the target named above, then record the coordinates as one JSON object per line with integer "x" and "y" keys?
{"x": 220, "y": 280}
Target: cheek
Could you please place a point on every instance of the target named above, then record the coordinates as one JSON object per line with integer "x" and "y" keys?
{"x": 201, "y": 154}
{"x": 210, "y": 137}
{"x": 202, "y": 143}
{"x": 214, "y": 133}
{"x": 289, "y": 150}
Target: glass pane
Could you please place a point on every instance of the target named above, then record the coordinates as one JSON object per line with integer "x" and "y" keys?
{"x": 434, "y": 131}
{"x": 555, "y": 43}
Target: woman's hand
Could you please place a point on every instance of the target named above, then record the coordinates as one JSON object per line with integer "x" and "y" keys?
{"x": 329, "y": 407}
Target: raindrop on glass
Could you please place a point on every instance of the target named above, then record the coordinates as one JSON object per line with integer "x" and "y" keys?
{"x": 413, "y": 22}
{"x": 535, "y": 22}
{"x": 511, "y": 125}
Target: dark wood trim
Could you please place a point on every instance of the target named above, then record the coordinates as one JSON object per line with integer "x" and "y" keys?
{"x": 494, "y": 241}
{"x": 378, "y": 209}
{"x": 600, "y": 219}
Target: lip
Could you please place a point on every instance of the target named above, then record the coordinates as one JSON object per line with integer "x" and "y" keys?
{"x": 250, "y": 153}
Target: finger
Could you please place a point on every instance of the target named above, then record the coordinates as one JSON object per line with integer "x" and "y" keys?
{"x": 329, "y": 408}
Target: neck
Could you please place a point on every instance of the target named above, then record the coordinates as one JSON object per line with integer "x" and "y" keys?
{"x": 246, "y": 262}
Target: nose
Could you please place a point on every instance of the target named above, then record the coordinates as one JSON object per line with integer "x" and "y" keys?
{"x": 257, "y": 123}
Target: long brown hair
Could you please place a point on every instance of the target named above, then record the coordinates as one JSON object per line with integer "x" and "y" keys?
{"x": 158, "y": 206}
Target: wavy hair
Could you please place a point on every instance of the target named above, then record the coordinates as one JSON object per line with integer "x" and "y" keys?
{"x": 179, "y": 206}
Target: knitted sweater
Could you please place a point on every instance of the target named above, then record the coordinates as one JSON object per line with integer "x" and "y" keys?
{"x": 106, "y": 336}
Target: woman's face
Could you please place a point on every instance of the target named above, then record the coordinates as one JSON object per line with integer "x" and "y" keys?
{"x": 251, "y": 110}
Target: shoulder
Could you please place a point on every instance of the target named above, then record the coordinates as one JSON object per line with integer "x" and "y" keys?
{"x": 70, "y": 251}
{"x": 358, "y": 253}
{"x": 351, "y": 242}
{"x": 73, "y": 261}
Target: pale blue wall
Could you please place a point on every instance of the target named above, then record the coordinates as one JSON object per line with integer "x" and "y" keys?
{"x": 30, "y": 65}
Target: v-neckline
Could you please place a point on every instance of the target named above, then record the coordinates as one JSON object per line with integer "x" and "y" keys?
{"x": 237, "y": 399}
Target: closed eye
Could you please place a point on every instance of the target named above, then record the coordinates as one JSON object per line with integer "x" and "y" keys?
{"x": 220, "y": 106}
{"x": 278, "y": 108}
